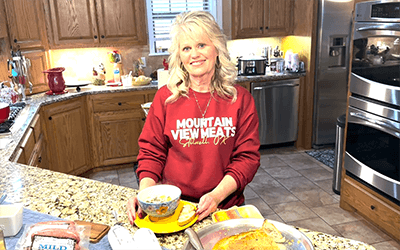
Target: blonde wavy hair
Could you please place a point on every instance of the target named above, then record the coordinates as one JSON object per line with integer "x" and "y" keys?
{"x": 194, "y": 23}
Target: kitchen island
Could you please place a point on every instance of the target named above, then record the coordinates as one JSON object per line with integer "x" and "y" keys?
{"x": 76, "y": 198}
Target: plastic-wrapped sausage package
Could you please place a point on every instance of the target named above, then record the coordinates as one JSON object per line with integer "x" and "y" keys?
{"x": 62, "y": 235}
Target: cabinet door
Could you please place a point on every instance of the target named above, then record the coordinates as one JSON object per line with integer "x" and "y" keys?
{"x": 117, "y": 135}
{"x": 39, "y": 62}
{"x": 247, "y": 18}
{"x": 277, "y": 17}
{"x": 73, "y": 21}
{"x": 26, "y": 23}
{"x": 66, "y": 136}
{"x": 3, "y": 21}
{"x": 121, "y": 21}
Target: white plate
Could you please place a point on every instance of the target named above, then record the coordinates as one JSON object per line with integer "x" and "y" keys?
{"x": 112, "y": 84}
{"x": 77, "y": 83}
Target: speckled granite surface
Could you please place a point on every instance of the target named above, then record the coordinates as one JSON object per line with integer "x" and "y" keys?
{"x": 77, "y": 198}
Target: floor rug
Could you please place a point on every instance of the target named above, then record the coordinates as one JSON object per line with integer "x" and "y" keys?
{"x": 326, "y": 156}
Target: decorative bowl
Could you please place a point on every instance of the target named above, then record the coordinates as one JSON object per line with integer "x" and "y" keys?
{"x": 159, "y": 200}
{"x": 141, "y": 80}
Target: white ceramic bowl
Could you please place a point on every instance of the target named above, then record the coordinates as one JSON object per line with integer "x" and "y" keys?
{"x": 170, "y": 195}
{"x": 11, "y": 218}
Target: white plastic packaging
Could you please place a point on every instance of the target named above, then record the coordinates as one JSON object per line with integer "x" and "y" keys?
{"x": 11, "y": 218}
{"x": 121, "y": 239}
{"x": 25, "y": 242}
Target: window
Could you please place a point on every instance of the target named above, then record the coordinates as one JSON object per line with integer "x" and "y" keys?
{"x": 161, "y": 14}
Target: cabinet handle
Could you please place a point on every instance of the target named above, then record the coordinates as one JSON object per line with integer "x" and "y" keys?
{"x": 102, "y": 36}
{"x": 15, "y": 40}
{"x": 40, "y": 159}
{"x": 266, "y": 27}
{"x": 119, "y": 104}
{"x": 50, "y": 118}
{"x": 372, "y": 207}
{"x": 144, "y": 119}
{"x": 261, "y": 28}
{"x": 95, "y": 37}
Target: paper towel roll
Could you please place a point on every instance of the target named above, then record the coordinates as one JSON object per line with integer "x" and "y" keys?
{"x": 162, "y": 76}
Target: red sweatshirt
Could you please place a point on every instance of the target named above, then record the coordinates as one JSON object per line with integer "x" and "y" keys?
{"x": 179, "y": 147}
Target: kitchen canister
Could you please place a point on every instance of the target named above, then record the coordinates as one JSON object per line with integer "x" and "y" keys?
{"x": 295, "y": 62}
{"x": 288, "y": 60}
{"x": 162, "y": 77}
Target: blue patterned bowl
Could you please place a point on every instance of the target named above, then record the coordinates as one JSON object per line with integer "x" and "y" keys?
{"x": 159, "y": 200}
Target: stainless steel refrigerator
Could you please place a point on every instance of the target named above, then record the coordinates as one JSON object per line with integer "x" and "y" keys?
{"x": 332, "y": 64}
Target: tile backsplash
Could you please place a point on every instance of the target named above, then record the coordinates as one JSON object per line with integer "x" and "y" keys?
{"x": 79, "y": 63}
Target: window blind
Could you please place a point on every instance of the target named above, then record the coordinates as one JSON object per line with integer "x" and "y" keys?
{"x": 161, "y": 14}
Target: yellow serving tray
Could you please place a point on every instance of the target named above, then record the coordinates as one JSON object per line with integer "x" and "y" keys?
{"x": 165, "y": 225}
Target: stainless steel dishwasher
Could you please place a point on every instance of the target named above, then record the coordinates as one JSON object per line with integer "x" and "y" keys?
{"x": 277, "y": 107}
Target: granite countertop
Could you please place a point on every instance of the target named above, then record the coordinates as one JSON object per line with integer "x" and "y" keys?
{"x": 77, "y": 198}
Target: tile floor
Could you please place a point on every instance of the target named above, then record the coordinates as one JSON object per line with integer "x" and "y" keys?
{"x": 291, "y": 187}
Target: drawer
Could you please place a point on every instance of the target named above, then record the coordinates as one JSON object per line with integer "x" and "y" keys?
{"x": 36, "y": 156}
{"x": 117, "y": 101}
{"x": 35, "y": 125}
{"x": 28, "y": 143}
{"x": 384, "y": 214}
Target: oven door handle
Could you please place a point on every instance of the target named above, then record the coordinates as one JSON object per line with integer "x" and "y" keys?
{"x": 374, "y": 121}
{"x": 385, "y": 26}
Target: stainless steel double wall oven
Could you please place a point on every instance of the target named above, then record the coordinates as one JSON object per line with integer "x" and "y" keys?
{"x": 373, "y": 133}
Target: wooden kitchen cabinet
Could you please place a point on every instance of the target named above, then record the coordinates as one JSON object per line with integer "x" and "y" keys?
{"x": 371, "y": 205}
{"x": 27, "y": 32}
{"x": 117, "y": 120}
{"x": 39, "y": 63}
{"x": 261, "y": 18}
{"x": 26, "y": 24}
{"x": 91, "y": 22}
{"x": 66, "y": 136}
{"x": 122, "y": 21}
{"x": 3, "y": 21}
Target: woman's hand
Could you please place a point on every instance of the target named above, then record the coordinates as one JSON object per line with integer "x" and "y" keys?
{"x": 207, "y": 204}
{"x": 133, "y": 207}
{"x": 133, "y": 204}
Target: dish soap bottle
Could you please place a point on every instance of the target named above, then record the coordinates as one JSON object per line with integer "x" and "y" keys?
{"x": 117, "y": 73}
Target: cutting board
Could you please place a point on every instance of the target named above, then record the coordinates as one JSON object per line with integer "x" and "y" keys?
{"x": 97, "y": 231}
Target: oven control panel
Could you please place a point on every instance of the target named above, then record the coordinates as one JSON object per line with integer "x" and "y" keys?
{"x": 388, "y": 11}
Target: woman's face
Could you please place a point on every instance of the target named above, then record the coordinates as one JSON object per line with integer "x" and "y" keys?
{"x": 198, "y": 55}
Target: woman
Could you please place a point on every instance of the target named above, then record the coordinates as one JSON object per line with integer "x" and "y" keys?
{"x": 201, "y": 133}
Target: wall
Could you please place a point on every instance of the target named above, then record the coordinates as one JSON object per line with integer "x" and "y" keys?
{"x": 79, "y": 63}
{"x": 251, "y": 47}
